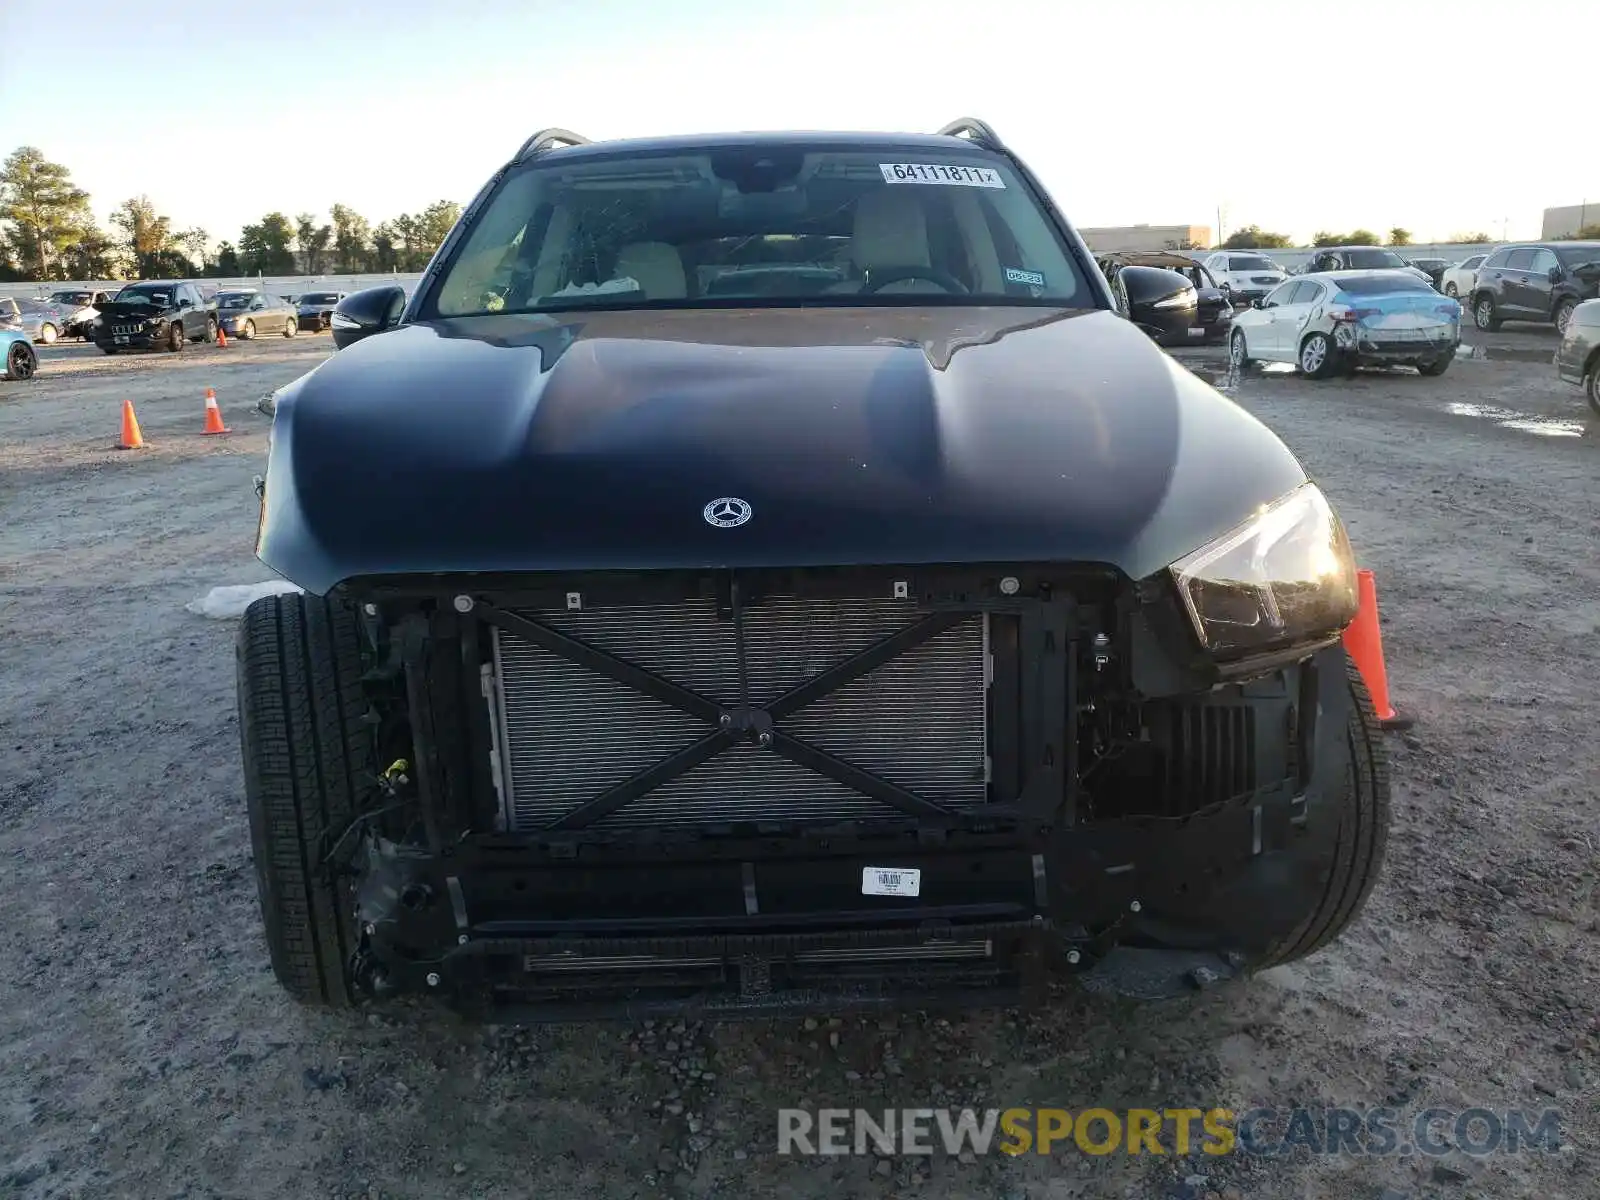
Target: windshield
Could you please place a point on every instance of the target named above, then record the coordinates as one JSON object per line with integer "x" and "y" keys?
{"x": 145, "y": 294}
{"x": 320, "y": 298}
{"x": 1250, "y": 262}
{"x": 234, "y": 299}
{"x": 760, "y": 226}
{"x": 1373, "y": 257}
{"x": 71, "y": 297}
{"x": 1583, "y": 252}
{"x": 1378, "y": 285}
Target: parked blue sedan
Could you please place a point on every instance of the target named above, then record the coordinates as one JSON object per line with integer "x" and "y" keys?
{"x": 16, "y": 353}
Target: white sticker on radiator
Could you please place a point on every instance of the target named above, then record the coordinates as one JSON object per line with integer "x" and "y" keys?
{"x": 891, "y": 881}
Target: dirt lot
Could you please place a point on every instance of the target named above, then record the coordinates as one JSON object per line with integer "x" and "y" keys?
{"x": 145, "y": 1050}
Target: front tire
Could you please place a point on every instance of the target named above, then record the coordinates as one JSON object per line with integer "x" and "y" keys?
{"x": 1484, "y": 316}
{"x": 1450, "y": 290}
{"x": 1591, "y": 385}
{"x": 1317, "y": 359}
{"x": 47, "y": 334}
{"x": 175, "y": 338}
{"x": 1563, "y": 314}
{"x": 1238, "y": 352}
{"x": 1437, "y": 367}
{"x": 291, "y": 327}
{"x": 248, "y": 331}
{"x": 306, "y": 758}
{"x": 1360, "y": 840}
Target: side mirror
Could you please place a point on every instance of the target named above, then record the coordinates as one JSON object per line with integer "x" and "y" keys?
{"x": 1555, "y": 274}
{"x": 361, "y": 314}
{"x": 1259, "y": 302}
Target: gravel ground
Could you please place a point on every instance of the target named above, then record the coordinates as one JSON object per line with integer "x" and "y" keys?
{"x": 146, "y": 1051}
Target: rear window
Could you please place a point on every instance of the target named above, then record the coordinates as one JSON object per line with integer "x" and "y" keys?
{"x": 768, "y": 225}
{"x": 1583, "y": 252}
{"x": 1373, "y": 257}
{"x": 1378, "y": 285}
{"x": 1250, "y": 262}
{"x": 319, "y": 298}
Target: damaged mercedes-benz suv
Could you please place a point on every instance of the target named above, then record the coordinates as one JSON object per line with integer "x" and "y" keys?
{"x": 765, "y": 572}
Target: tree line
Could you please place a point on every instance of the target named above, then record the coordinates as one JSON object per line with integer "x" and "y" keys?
{"x": 1253, "y": 237}
{"x": 47, "y": 232}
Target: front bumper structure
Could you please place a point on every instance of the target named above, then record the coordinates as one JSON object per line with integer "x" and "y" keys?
{"x": 578, "y": 918}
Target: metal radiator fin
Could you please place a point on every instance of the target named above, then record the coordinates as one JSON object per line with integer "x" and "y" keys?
{"x": 570, "y": 734}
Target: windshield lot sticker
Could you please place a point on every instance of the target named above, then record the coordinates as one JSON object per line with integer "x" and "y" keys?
{"x": 891, "y": 881}
{"x": 940, "y": 173}
{"x": 1031, "y": 278}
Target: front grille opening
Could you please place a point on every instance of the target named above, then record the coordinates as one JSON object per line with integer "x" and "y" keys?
{"x": 1169, "y": 759}
{"x": 566, "y": 734}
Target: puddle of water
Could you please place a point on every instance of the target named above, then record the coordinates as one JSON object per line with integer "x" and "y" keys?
{"x": 1468, "y": 352}
{"x": 1509, "y": 418}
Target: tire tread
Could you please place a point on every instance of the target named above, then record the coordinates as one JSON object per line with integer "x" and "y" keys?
{"x": 1362, "y": 836}
{"x": 300, "y": 702}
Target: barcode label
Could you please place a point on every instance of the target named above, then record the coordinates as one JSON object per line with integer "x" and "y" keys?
{"x": 891, "y": 881}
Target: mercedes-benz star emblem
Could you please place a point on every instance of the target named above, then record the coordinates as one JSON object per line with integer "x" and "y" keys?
{"x": 727, "y": 511}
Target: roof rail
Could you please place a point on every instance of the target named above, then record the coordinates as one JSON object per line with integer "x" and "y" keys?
{"x": 545, "y": 139}
{"x": 978, "y": 131}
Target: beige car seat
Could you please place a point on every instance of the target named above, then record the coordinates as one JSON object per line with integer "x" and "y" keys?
{"x": 890, "y": 230}
{"x": 656, "y": 266}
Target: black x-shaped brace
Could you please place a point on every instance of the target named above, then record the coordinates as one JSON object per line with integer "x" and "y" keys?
{"x": 733, "y": 725}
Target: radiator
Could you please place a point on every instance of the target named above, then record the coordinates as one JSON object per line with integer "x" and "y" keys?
{"x": 565, "y": 734}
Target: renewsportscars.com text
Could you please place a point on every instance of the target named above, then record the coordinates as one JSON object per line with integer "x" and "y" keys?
{"x": 1178, "y": 1131}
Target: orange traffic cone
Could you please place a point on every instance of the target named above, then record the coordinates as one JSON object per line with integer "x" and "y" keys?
{"x": 1364, "y": 641}
{"x": 132, "y": 439}
{"x": 214, "y": 414}
{"x": 222, "y": 337}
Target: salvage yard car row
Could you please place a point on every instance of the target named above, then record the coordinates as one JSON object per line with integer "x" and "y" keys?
{"x": 151, "y": 315}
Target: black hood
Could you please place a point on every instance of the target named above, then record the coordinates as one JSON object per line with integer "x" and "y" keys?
{"x": 137, "y": 306}
{"x": 857, "y": 436}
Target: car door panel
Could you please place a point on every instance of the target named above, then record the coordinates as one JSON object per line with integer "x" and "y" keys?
{"x": 1515, "y": 290}
{"x": 1291, "y": 320}
{"x": 1272, "y": 306}
{"x": 1540, "y": 293}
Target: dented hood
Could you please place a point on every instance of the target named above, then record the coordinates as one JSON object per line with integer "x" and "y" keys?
{"x": 597, "y": 440}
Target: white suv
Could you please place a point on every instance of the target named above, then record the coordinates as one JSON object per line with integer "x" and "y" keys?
{"x": 1244, "y": 276}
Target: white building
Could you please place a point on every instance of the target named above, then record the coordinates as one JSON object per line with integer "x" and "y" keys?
{"x": 1564, "y": 222}
{"x": 1137, "y": 239}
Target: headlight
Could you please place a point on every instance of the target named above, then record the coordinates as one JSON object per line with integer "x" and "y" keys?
{"x": 1179, "y": 300}
{"x": 1285, "y": 576}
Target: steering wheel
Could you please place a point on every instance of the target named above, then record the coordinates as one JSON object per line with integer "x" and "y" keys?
{"x": 879, "y": 279}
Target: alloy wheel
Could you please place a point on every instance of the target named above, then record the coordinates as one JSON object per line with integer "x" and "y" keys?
{"x": 20, "y": 362}
{"x": 1313, "y": 354}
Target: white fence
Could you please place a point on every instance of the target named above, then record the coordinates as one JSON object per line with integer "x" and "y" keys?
{"x": 275, "y": 285}
{"x": 295, "y": 285}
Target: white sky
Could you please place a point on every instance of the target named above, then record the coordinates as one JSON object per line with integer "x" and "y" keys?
{"x": 1294, "y": 115}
